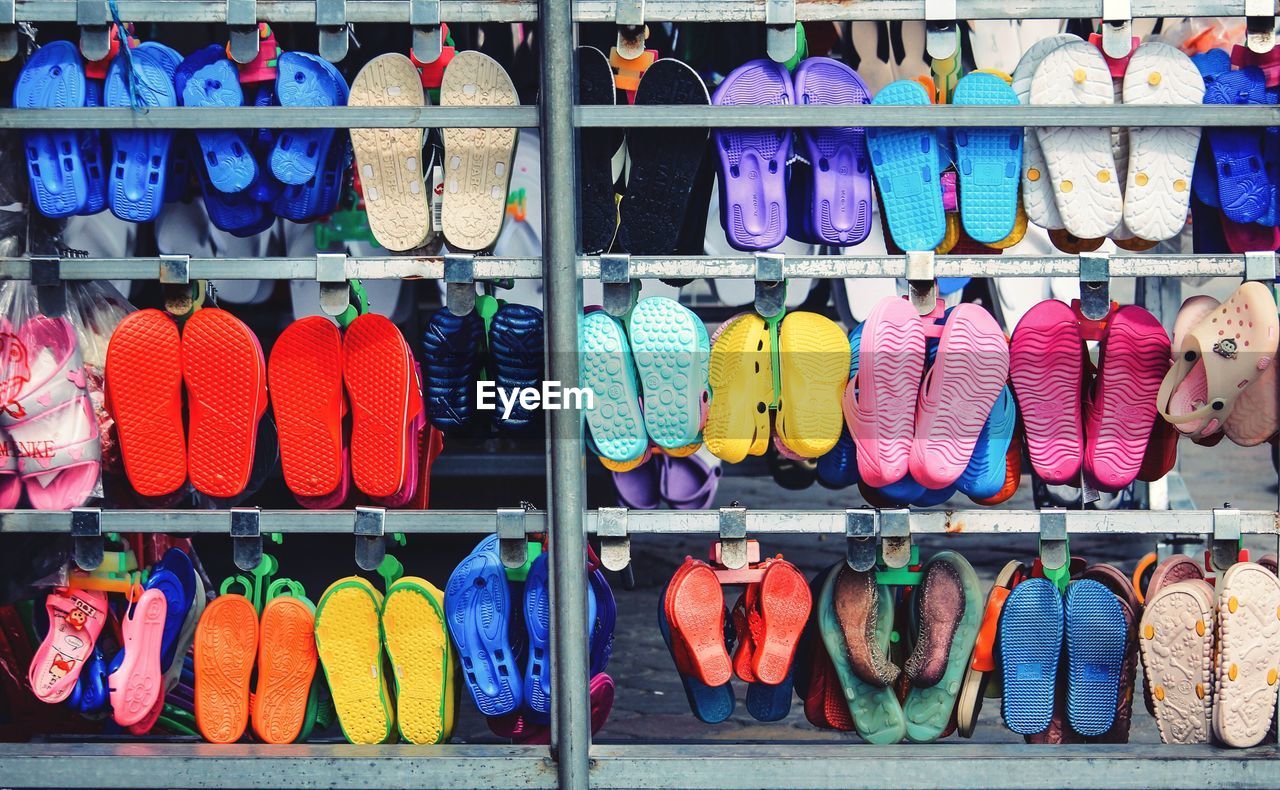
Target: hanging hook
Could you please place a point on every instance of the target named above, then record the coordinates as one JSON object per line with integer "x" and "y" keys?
{"x": 460, "y": 282}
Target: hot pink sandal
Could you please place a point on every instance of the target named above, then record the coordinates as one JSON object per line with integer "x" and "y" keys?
{"x": 1046, "y": 367}
{"x": 138, "y": 681}
{"x": 880, "y": 401}
{"x": 10, "y": 484}
{"x": 76, "y": 618}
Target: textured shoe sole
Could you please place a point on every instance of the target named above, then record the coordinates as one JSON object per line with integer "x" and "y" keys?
{"x": 906, "y": 165}
{"x": 1096, "y": 641}
{"x": 1248, "y": 653}
{"x": 607, "y": 368}
{"x": 670, "y": 347}
{"x": 882, "y": 416}
{"x": 226, "y": 380}
{"x": 1031, "y": 627}
{"x": 305, "y": 376}
{"x": 1080, "y": 159}
{"x": 1176, "y": 638}
{"x": 139, "y": 168}
{"x": 813, "y": 353}
{"x": 349, "y": 644}
{"x": 695, "y": 614}
{"x": 595, "y": 155}
{"x": 225, "y": 646}
{"x": 537, "y": 622}
{"x": 1046, "y": 369}
{"x": 987, "y": 162}
{"x": 144, "y": 382}
{"x": 741, "y": 377}
{"x": 229, "y": 162}
{"x": 785, "y": 602}
{"x": 138, "y": 683}
{"x": 389, "y": 161}
{"x": 413, "y": 628}
{"x": 1037, "y": 191}
{"x": 478, "y": 611}
{"x": 477, "y": 162}
{"x": 378, "y": 371}
{"x": 304, "y": 81}
{"x": 286, "y": 665}
{"x": 54, "y": 77}
{"x": 928, "y": 711}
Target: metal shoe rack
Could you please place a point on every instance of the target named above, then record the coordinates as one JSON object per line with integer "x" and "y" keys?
{"x": 572, "y": 761}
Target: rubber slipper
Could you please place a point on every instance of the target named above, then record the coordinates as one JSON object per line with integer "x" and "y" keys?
{"x": 225, "y": 648}
{"x": 175, "y": 576}
{"x": 91, "y": 695}
{"x": 1030, "y": 643}
{"x": 389, "y": 161}
{"x": 949, "y": 612}
{"x": 187, "y": 634}
{"x": 286, "y": 665}
{"x": 226, "y": 379}
{"x": 478, "y": 609}
{"x": 753, "y": 162}
{"x": 1121, "y": 586}
{"x": 981, "y": 671}
{"x": 1096, "y": 634}
{"x": 138, "y": 680}
{"x": 409, "y": 486}
{"x": 93, "y": 153}
{"x": 537, "y": 622}
{"x": 986, "y": 472}
{"x": 601, "y": 692}
{"x": 1120, "y": 410}
{"x": 838, "y": 468}
{"x": 824, "y": 704}
{"x": 640, "y": 488}
{"x": 54, "y": 77}
{"x": 877, "y": 714}
{"x": 318, "y": 196}
{"x": 695, "y": 612}
{"x": 349, "y": 646}
{"x": 1038, "y": 199}
{"x": 75, "y": 621}
{"x": 840, "y": 196}
{"x": 880, "y": 401}
{"x": 689, "y": 483}
{"x": 386, "y": 403}
{"x": 670, "y": 349}
{"x": 987, "y": 162}
{"x": 595, "y": 155}
{"x": 1081, "y": 163}
{"x": 743, "y": 654}
{"x": 304, "y": 80}
{"x": 417, "y": 640}
{"x": 208, "y": 78}
{"x": 814, "y": 356}
{"x": 1211, "y": 369}
{"x": 240, "y": 215}
{"x": 305, "y": 378}
{"x": 710, "y": 704}
{"x": 1177, "y": 660}
{"x": 783, "y": 603}
{"x": 663, "y": 163}
{"x": 608, "y": 369}
{"x": 1243, "y": 188}
{"x": 741, "y": 378}
{"x": 606, "y": 620}
{"x": 516, "y": 359}
{"x": 452, "y": 350}
{"x": 140, "y": 165}
{"x": 1244, "y": 701}
{"x": 1046, "y": 370}
{"x": 906, "y": 167}
{"x": 477, "y": 163}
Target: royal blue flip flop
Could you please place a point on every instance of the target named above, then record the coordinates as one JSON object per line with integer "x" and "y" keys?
{"x": 305, "y": 80}
{"x": 477, "y": 605}
{"x": 984, "y": 476}
{"x": 770, "y": 703}
{"x": 905, "y": 161}
{"x": 208, "y": 78}
{"x": 709, "y": 704}
{"x": 988, "y": 162}
{"x": 54, "y": 77}
{"x": 91, "y": 153}
{"x": 317, "y": 197}
{"x": 139, "y": 166}
{"x": 240, "y": 215}
{"x": 1097, "y": 637}
{"x": 1244, "y": 190}
{"x": 1030, "y": 644}
{"x": 537, "y": 623}
{"x": 605, "y": 623}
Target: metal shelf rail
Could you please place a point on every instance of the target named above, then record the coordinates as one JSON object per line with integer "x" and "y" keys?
{"x": 572, "y": 761}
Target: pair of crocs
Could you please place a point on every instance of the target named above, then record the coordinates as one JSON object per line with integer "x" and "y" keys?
{"x": 682, "y": 482}
{"x": 315, "y": 373}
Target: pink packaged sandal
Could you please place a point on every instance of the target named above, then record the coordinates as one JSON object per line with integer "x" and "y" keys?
{"x": 880, "y": 401}
{"x": 139, "y": 680}
{"x": 76, "y": 618}
{"x": 1046, "y": 368}
{"x": 10, "y": 484}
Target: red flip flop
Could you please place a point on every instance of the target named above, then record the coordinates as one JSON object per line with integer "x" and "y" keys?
{"x": 784, "y": 604}
{"x": 377, "y": 367}
{"x": 226, "y": 380}
{"x": 695, "y": 612}
{"x": 305, "y": 374}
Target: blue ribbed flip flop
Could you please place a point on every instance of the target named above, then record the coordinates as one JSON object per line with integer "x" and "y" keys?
{"x": 54, "y": 77}
{"x": 92, "y": 153}
{"x": 1243, "y": 187}
{"x": 606, "y": 621}
{"x": 671, "y": 351}
{"x": 839, "y": 467}
{"x": 905, "y": 161}
{"x": 988, "y": 162}
{"x": 477, "y": 605}
{"x": 318, "y": 196}
{"x": 139, "y": 166}
{"x": 537, "y": 622}
{"x": 1030, "y": 645}
{"x": 207, "y": 78}
{"x": 239, "y": 215}
{"x": 984, "y": 476}
{"x": 607, "y": 368}
{"x": 305, "y": 80}
{"x": 1097, "y": 636}
{"x": 710, "y": 704}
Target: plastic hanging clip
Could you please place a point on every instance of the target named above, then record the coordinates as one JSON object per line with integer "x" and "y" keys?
{"x": 1224, "y": 549}
{"x": 370, "y": 528}
{"x": 771, "y": 287}
{"x": 94, "y": 21}
{"x": 922, "y": 283}
{"x": 733, "y": 537}
{"x": 861, "y": 528}
{"x": 513, "y": 537}
{"x": 620, "y": 291}
{"x": 331, "y": 274}
{"x": 331, "y": 19}
{"x": 242, "y": 26}
{"x": 1117, "y": 28}
{"x": 428, "y": 38}
{"x": 46, "y": 276}
{"x": 941, "y": 41}
{"x": 1055, "y": 548}
{"x": 780, "y": 21}
{"x": 628, "y": 15}
{"x": 1260, "y": 24}
{"x": 8, "y": 30}
{"x": 895, "y": 538}
{"x": 460, "y": 282}
{"x": 246, "y": 537}
{"x": 615, "y": 542}
{"x": 86, "y": 537}
{"x": 1095, "y": 285}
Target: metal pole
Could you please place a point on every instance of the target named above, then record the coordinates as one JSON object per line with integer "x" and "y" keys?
{"x": 571, "y": 729}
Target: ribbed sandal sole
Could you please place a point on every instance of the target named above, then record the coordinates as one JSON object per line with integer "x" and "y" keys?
{"x": 417, "y": 641}
{"x": 1097, "y": 636}
{"x": 349, "y": 643}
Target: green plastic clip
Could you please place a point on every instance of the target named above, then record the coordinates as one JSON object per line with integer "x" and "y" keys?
{"x": 1055, "y": 548}
{"x": 359, "y": 303}
{"x": 802, "y": 49}
{"x": 774, "y": 352}
{"x": 534, "y": 548}
{"x": 900, "y": 577}
{"x": 283, "y": 586}
{"x": 254, "y": 588}
{"x": 391, "y": 570}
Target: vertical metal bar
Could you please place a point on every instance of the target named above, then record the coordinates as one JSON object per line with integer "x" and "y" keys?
{"x": 571, "y": 728}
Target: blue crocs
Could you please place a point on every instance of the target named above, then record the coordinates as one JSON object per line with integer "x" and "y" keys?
{"x": 1243, "y": 187}
{"x": 515, "y": 361}
{"x": 537, "y": 623}
{"x": 905, "y": 161}
{"x": 305, "y": 80}
{"x": 139, "y": 165}
{"x": 208, "y": 78}
{"x": 607, "y": 369}
{"x": 452, "y": 353}
{"x": 709, "y": 704}
{"x": 477, "y": 606}
{"x": 988, "y": 162}
{"x": 1030, "y": 645}
{"x": 54, "y": 77}
{"x": 1097, "y": 636}
{"x": 984, "y": 476}
{"x": 839, "y": 467}
{"x": 318, "y": 197}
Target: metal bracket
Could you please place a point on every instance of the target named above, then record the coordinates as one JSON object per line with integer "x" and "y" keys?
{"x": 8, "y": 30}
{"x": 370, "y": 529}
{"x": 1117, "y": 28}
{"x": 941, "y": 40}
{"x": 733, "y": 537}
{"x": 1224, "y": 548}
{"x": 513, "y": 538}
{"x": 246, "y": 537}
{"x": 780, "y": 38}
{"x": 895, "y": 537}
{"x": 922, "y": 283}
{"x": 771, "y": 287}
{"x": 46, "y": 276}
{"x": 1095, "y": 285}
{"x": 628, "y": 15}
{"x": 175, "y": 284}
{"x": 86, "y": 537}
{"x": 331, "y": 19}
{"x": 95, "y": 33}
{"x": 460, "y": 282}
{"x": 861, "y": 528}
{"x": 331, "y": 274}
{"x": 615, "y": 542}
{"x": 242, "y": 24}
{"x": 1053, "y": 538}
{"x": 620, "y": 290}
{"x": 428, "y": 38}
{"x": 1260, "y": 266}
{"x": 1260, "y": 24}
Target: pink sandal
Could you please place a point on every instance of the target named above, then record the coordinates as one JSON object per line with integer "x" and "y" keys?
{"x": 76, "y": 618}
{"x": 1046, "y": 367}
{"x": 10, "y": 483}
{"x": 880, "y": 401}
{"x": 139, "y": 681}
